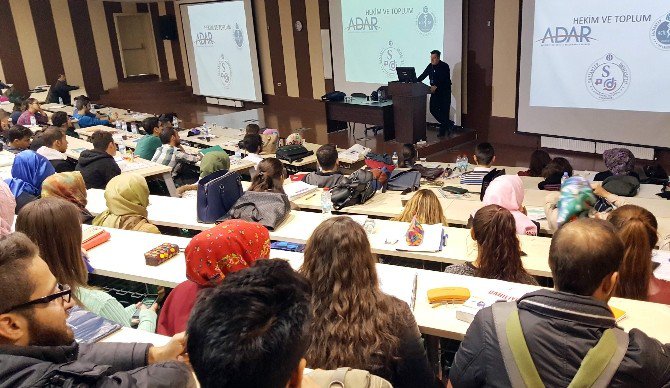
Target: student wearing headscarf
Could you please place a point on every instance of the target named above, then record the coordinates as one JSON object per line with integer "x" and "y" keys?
{"x": 69, "y": 186}
{"x": 212, "y": 162}
{"x": 7, "y": 207}
{"x": 210, "y": 256}
{"x": 575, "y": 200}
{"x": 619, "y": 161}
{"x": 127, "y": 198}
{"x": 28, "y": 172}
{"x": 508, "y": 192}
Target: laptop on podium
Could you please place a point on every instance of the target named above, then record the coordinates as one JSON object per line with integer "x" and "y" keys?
{"x": 406, "y": 74}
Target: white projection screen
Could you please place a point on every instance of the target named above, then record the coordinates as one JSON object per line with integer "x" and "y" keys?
{"x": 221, "y": 49}
{"x": 596, "y": 70}
{"x": 371, "y": 38}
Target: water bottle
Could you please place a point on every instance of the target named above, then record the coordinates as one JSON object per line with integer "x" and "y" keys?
{"x": 33, "y": 121}
{"x": 117, "y": 124}
{"x": 564, "y": 177}
{"x": 133, "y": 128}
{"x": 175, "y": 122}
{"x": 238, "y": 153}
{"x": 326, "y": 202}
{"x": 122, "y": 148}
{"x": 395, "y": 159}
{"x": 123, "y": 126}
{"x": 60, "y": 100}
{"x": 109, "y": 112}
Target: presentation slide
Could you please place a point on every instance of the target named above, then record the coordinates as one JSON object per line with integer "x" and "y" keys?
{"x": 221, "y": 47}
{"x": 601, "y": 65}
{"x": 380, "y": 35}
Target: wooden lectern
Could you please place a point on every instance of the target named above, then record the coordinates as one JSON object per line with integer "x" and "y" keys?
{"x": 409, "y": 110}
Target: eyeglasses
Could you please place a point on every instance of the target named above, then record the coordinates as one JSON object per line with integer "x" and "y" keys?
{"x": 64, "y": 292}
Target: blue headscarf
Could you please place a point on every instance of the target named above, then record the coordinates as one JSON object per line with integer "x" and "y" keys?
{"x": 28, "y": 172}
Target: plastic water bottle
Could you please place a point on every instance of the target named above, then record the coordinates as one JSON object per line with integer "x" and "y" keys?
{"x": 33, "y": 121}
{"x": 564, "y": 177}
{"x": 117, "y": 124}
{"x": 238, "y": 153}
{"x": 122, "y": 148}
{"x": 395, "y": 159}
{"x": 326, "y": 202}
{"x": 175, "y": 122}
{"x": 123, "y": 126}
{"x": 60, "y": 100}
{"x": 109, "y": 112}
{"x": 133, "y": 128}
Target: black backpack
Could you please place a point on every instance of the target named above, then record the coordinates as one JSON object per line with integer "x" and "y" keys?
{"x": 354, "y": 190}
{"x": 292, "y": 153}
{"x": 406, "y": 181}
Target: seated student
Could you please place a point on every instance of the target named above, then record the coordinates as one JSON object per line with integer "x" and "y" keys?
{"x": 171, "y": 153}
{"x": 252, "y": 144}
{"x": 166, "y": 120}
{"x": 62, "y": 120}
{"x": 7, "y": 208}
{"x": 499, "y": 251}
{"x": 38, "y": 347}
{"x": 328, "y": 174}
{"x": 60, "y": 90}
{"x": 560, "y": 326}
{"x": 619, "y": 162}
{"x": 211, "y": 162}
{"x": 269, "y": 142}
{"x": 33, "y": 109}
{"x": 539, "y": 159}
{"x": 18, "y": 139}
{"x": 211, "y": 256}
{"x": 638, "y": 229}
{"x": 37, "y": 142}
{"x": 272, "y": 357}
{"x": 507, "y": 191}
{"x": 409, "y": 155}
{"x": 19, "y": 107}
{"x": 55, "y": 145}
{"x": 484, "y": 157}
{"x": 127, "y": 198}
{"x": 553, "y": 174}
{"x": 98, "y": 166}
{"x": 5, "y": 123}
{"x": 147, "y": 145}
{"x": 360, "y": 326}
{"x": 270, "y": 177}
{"x": 46, "y": 218}
{"x": 29, "y": 170}
{"x": 69, "y": 186}
{"x": 426, "y": 207}
{"x": 83, "y": 114}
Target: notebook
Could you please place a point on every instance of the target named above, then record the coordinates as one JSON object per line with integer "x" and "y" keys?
{"x": 399, "y": 282}
{"x": 89, "y": 328}
{"x": 298, "y": 189}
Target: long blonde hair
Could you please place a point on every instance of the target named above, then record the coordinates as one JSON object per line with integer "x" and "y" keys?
{"x": 355, "y": 323}
{"x": 426, "y": 207}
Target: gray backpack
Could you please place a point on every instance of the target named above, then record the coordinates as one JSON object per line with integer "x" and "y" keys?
{"x": 347, "y": 378}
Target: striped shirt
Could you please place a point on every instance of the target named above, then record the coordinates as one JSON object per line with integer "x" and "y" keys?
{"x": 172, "y": 156}
{"x": 475, "y": 176}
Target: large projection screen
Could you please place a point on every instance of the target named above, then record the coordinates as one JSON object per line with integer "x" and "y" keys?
{"x": 221, "y": 49}
{"x": 596, "y": 70}
{"x": 371, "y": 38}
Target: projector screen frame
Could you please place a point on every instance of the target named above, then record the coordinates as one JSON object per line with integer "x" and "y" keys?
{"x": 253, "y": 48}
{"x": 520, "y": 47}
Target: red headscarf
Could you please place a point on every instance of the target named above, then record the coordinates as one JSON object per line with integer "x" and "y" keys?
{"x": 210, "y": 256}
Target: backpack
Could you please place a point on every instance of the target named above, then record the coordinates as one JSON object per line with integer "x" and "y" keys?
{"x": 379, "y": 161}
{"x": 354, "y": 190}
{"x": 217, "y": 193}
{"x": 292, "y": 153}
{"x": 266, "y": 208}
{"x": 347, "y": 378}
{"x": 487, "y": 179}
{"x": 623, "y": 185}
{"x": 431, "y": 174}
{"x": 597, "y": 368}
{"x": 407, "y": 180}
{"x": 655, "y": 175}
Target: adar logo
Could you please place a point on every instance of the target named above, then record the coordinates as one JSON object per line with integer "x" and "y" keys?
{"x": 390, "y": 58}
{"x": 660, "y": 33}
{"x": 224, "y": 71}
{"x": 608, "y": 78}
{"x": 426, "y": 21}
{"x": 238, "y": 36}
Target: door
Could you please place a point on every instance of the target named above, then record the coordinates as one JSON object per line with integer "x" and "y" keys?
{"x": 137, "y": 44}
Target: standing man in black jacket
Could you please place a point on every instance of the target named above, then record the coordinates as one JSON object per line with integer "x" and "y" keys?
{"x": 561, "y": 326}
{"x": 61, "y": 89}
{"x": 439, "y": 74}
{"x": 37, "y": 347}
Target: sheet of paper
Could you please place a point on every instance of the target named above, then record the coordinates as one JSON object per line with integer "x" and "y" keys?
{"x": 399, "y": 282}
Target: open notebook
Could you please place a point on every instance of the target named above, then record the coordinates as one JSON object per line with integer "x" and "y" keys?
{"x": 298, "y": 189}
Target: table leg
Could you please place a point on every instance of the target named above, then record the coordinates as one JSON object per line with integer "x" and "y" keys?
{"x": 167, "y": 178}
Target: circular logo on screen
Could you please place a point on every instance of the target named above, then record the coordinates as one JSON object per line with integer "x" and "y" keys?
{"x": 608, "y": 78}
{"x": 426, "y": 21}
{"x": 389, "y": 58}
{"x": 224, "y": 71}
{"x": 660, "y": 33}
{"x": 238, "y": 36}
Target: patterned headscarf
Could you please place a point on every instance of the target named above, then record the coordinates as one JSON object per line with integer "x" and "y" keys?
{"x": 214, "y": 161}
{"x": 576, "y": 200}
{"x": 69, "y": 186}
{"x": 620, "y": 161}
{"x": 228, "y": 247}
{"x": 28, "y": 172}
{"x": 7, "y": 207}
{"x": 294, "y": 139}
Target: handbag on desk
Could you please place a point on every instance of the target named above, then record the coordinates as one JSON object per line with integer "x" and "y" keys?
{"x": 217, "y": 193}
{"x": 292, "y": 153}
{"x": 267, "y": 209}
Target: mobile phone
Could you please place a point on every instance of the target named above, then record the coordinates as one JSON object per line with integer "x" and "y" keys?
{"x": 148, "y": 301}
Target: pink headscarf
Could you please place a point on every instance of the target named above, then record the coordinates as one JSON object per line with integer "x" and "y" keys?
{"x": 507, "y": 191}
{"x": 7, "y": 207}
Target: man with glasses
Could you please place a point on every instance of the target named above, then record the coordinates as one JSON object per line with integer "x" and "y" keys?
{"x": 37, "y": 347}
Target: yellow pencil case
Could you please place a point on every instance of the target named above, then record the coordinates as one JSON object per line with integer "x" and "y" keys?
{"x": 448, "y": 295}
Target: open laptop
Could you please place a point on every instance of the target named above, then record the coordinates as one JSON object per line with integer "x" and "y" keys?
{"x": 406, "y": 74}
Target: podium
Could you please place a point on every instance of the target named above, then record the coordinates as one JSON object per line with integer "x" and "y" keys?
{"x": 409, "y": 110}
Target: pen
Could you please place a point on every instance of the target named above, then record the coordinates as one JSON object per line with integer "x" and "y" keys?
{"x": 310, "y": 196}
